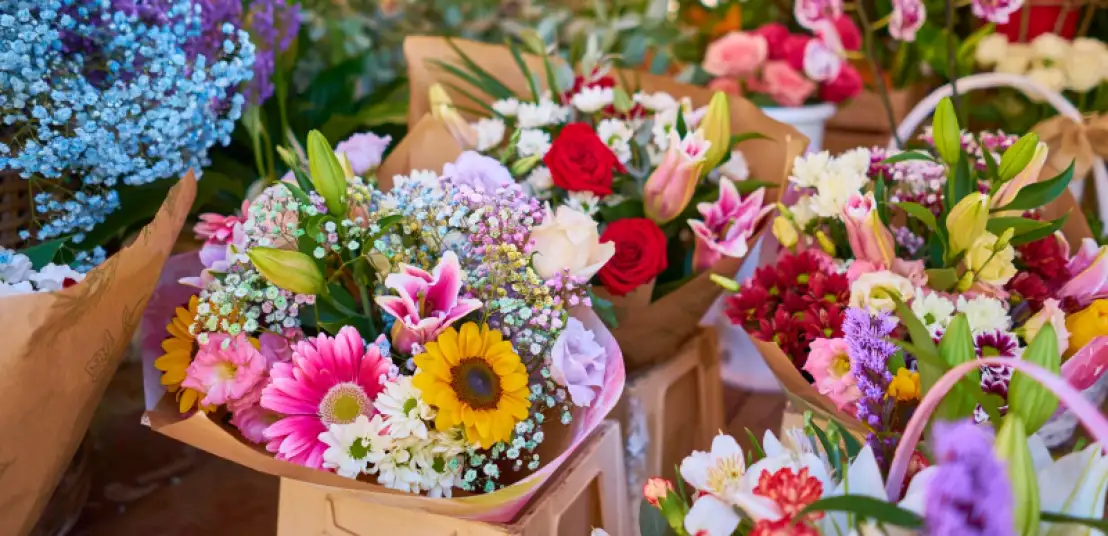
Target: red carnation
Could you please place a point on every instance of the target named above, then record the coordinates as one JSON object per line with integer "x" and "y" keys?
{"x": 1045, "y": 258}
{"x": 849, "y": 34}
{"x": 640, "y": 254}
{"x": 845, "y": 86}
{"x": 580, "y": 162}
{"x": 792, "y": 50}
{"x": 775, "y": 34}
{"x": 1029, "y": 287}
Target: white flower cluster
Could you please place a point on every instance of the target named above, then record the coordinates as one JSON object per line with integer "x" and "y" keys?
{"x": 984, "y": 314}
{"x": 399, "y": 444}
{"x": 1079, "y": 65}
{"x": 826, "y": 183}
{"x": 18, "y": 276}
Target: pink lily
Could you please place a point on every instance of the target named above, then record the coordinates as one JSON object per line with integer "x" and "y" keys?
{"x": 217, "y": 257}
{"x": 868, "y": 236}
{"x": 670, "y": 188}
{"x": 1087, "y": 365}
{"x": 1090, "y": 269}
{"x": 728, "y": 224}
{"x": 215, "y": 228}
{"x": 427, "y": 303}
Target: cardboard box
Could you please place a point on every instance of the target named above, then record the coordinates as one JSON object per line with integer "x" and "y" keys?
{"x": 587, "y": 492}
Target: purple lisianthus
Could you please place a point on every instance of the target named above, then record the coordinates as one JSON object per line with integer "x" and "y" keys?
{"x": 577, "y": 363}
{"x": 364, "y": 151}
{"x": 972, "y": 494}
{"x": 479, "y": 172}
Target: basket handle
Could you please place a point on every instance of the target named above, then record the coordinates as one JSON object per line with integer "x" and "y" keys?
{"x": 1029, "y": 87}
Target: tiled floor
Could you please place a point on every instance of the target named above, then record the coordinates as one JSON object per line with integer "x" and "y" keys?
{"x": 147, "y": 484}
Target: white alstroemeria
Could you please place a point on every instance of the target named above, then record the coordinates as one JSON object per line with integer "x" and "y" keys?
{"x": 506, "y": 107}
{"x": 533, "y": 142}
{"x": 490, "y": 132}
{"x": 545, "y": 113}
{"x": 593, "y": 99}
{"x": 799, "y": 454}
{"x": 353, "y": 447}
{"x": 710, "y": 516}
{"x": 720, "y": 471}
{"x": 1074, "y": 485}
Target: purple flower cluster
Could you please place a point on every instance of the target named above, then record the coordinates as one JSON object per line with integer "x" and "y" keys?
{"x": 272, "y": 24}
{"x": 971, "y": 494}
{"x": 910, "y": 241}
{"x": 869, "y": 353}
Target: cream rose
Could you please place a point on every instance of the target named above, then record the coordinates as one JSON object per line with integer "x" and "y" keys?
{"x": 1016, "y": 59}
{"x": 875, "y": 291}
{"x": 1050, "y": 77}
{"x": 991, "y": 49}
{"x": 569, "y": 240}
{"x": 1049, "y": 46}
{"x": 1084, "y": 71}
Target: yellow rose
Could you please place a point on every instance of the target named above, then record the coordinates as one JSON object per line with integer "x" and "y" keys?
{"x": 1086, "y": 325}
{"x": 991, "y": 266}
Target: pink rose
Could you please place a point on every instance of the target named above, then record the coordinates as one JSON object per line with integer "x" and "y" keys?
{"x": 736, "y": 54}
{"x": 792, "y": 50}
{"x": 786, "y": 85}
{"x": 727, "y": 85}
{"x": 775, "y": 34}
{"x": 845, "y": 86}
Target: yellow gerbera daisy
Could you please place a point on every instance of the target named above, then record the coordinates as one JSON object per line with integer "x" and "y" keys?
{"x": 476, "y": 379}
{"x": 179, "y": 350}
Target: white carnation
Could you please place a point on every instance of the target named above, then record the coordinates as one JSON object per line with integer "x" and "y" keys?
{"x": 490, "y": 132}
{"x": 52, "y": 277}
{"x": 808, "y": 169}
{"x": 506, "y": 107}
{"x": 593, "y": 99}
{"x": 14, "y": 267}
{"x": 545, "y": 113}
{"x": 533, "y": 142}
{"x": 991, "y": 49}
{"x": 984, "y": 314}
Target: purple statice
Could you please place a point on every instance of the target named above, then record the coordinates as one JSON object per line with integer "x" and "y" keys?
{"x": 908, "y": 240}
{"x": 971, "y": 493}
{"x": 272, "y": 24}
{"x": 869, "y": 352}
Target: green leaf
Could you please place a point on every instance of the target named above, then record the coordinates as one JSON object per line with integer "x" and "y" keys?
{"x": 908, "y": 156}
{"x": 750, "y": 185}
{"x": 853, "y": 446}
{"x": 956, "y": 347}
{"x": 832, "y": 451}
{"x": 745, "y": 136}
{"x": 925, "y": 349}
{"x": 1038, "y": 194}
{"x": 1043, "y": 232}
{"x": 1018, "y": 156}
{"x": 947, "y": 133}
{"x": 881, "y": 196}
{"x": 42, "y": 254}
{"x": 755, "y": 444}
{"x": 489, "y": 83}
{"x": 682, "y": 127}
{"x": 963, "y": 184}
{"x": 1098, "y": 524}
{"x": 921, "y": 213}
{"x": 867, "y": 507}
{"x": 604, "y": 309}
{"x": 1026, "y": 397}
{"x": 651, "y": 521}
{"x": 1019, "y": 225}
{"x": 630, "y": 208}
{"x": 942, "y": 279}
{"x": 514, "y": 49}
{"x": 991, "y": 167}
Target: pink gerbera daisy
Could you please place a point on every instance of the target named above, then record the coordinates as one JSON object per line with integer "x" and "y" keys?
{"x": 329, "y": 381}
{"x": 226, "y": 368}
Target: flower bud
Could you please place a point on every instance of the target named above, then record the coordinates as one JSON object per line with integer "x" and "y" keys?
{"x": 716, "y": 128}
{"x": 726, "y": 283}
{"x": 965, "y": 282}
{"x": 1027, "y": 398}
{"x": 967, "y": 221}
{"x": 669, "y": 189}
{"x": 442, "y": 109}
{"x": 1005, "y": 239}
{"x": 1011, "y": 448}
{"x": 825, "y": 243}
{"x": 656, "y": 490}
{"x": 1028, "y": 174}
{"x": 785, "y": 232}
{"x": 328, "y": 177}
{"x": 290, "y": 270}
{"x": 522, "y": 166}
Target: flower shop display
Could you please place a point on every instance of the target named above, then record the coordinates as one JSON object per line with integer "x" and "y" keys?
{"x": 966, "y": 479}
{"x": 646, "y": 156}
{"x": 968, "y": 237}
{"x": 425, "y": 341}
{"x": 85, "y": 117}
{"x": 64, "y": 335}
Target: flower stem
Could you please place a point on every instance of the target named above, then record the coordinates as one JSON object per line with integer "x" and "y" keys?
{"x": 878, "y": 76}
{"x": 367, "y": 308}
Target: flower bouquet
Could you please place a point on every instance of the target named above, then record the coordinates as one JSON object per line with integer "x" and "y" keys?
{"x": 967, "y": 231}
{"x": 64, "y": 335}
{"x": 630, "y": 155}
{"x": 391, "y": 341}
{"x": 966, "y": 479}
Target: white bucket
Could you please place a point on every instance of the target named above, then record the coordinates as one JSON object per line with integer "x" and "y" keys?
{"x": 809, "y": 120}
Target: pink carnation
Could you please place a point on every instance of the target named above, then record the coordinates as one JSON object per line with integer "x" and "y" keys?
{"x": 829, "y": 365}
{"x": 775, "y": 34}
{"x": 736, "y": 54}
{"x": 845, "y": 86}
{"x": 786, "y": 85}
{"x": 226, "y": 368}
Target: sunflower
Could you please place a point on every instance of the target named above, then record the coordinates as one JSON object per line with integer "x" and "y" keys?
{"x": 475, "y": 379}
{"x": 179, "y": 349}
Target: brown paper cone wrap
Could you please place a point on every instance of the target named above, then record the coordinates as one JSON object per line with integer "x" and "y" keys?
{"x": 59, "y": 353}
{"x": 805, "y": 395}
{"x": 653, "y": 332}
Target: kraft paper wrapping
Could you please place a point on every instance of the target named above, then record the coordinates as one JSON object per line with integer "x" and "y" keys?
{"x": 651, "y": 332}
{"x": 805, "y": 396}
{"x": 60, "y": 351}
{"x": 202, "y": 432}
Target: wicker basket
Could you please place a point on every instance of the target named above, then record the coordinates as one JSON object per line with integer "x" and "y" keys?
{"x": 69, "y": 498}
{"x": 15, "y": 214}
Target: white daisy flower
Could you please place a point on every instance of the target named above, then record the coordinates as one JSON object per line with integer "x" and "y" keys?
{"x": 353, "y": 447}
{"x": 396, "y": 471}
{"x": 593, "y": 99}
{"x": 533, "y": 142}
{"x": 404, "y": 409}
{"x": 586, "y": 202}
{"x": 984, "y": 314}
{"x": 933, "y": 309}
{"x": 490, "y": 132}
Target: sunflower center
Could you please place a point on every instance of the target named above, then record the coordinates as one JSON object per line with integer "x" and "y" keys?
{"x": 476, "y": 383}
{"x": 343, "y": 403}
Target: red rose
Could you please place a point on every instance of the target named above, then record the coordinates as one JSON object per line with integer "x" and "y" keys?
{"x": 580, "y": 162}
{"x": 849, "y": 33}
{"x": 640, "y": 254}
{"x": 846, "y": 86}
{"x": 792, "y": 50}
{"x": 775, "y": 34}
